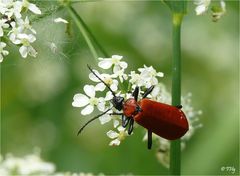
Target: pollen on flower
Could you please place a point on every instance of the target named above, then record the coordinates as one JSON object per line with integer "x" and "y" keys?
{"x": 93, "y": 101}
{"x": 117, "y": 136}
{"x": 108, "y": 80}
{"x": 122, "y": 135}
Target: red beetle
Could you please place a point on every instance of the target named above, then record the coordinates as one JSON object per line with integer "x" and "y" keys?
{"x": 162, "y": 119}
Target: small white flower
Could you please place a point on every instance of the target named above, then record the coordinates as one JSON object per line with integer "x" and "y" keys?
{"x": 32, "y": 7}
{"x": 202, "y": 6}
{"x": 117, "y": 137}
{"x": 14, "y": 32}
{"x": 2, "y": 51}
{"x": 3, "y": 24}
{"x": 149, "y": 76}
{"x": 25, "y": 25}
{"x": 218, "y": 12}
{"x": 81, "y": 100}
{"x": 12, "y": 8}
{"x": 60, "y": 20}
{"x": 26, "y": 47}
{"x": 108, "y": 79}
{"x": 114, "y": 61}
{"x": 136, "y": 79}
{"x": 121, "y": 75}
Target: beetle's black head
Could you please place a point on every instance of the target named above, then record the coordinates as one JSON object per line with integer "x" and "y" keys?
{"x": 117, "y": 102}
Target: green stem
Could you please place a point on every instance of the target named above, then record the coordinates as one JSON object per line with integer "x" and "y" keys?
{"x": 93, "y": 38}
{"x": 175, "y": 149}
{"x": 80, "y": 25}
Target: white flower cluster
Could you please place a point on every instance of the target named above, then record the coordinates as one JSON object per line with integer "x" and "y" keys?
{"x": 31, "y": 164}
{"x": 121, "y": 83}
{"x": 15, "y": 26}
{"x": 217, "y": 10}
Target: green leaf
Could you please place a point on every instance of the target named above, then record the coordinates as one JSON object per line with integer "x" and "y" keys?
{"x": 177, "y": 6}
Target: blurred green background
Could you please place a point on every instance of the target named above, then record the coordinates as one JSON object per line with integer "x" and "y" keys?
{"x": 36, "y": 93}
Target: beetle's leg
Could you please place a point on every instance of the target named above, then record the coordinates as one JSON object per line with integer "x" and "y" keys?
{"x": 149, "y": 139}
{"x": 125, "y": 121}
{"x": 130, "y": 128}
{"x": 135, "y": 93}
{"x": 147, "y": 92}
{"x": 179, "y": 106}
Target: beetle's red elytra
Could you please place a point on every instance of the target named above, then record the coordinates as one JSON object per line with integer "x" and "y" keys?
{"x": 164, "y": 120}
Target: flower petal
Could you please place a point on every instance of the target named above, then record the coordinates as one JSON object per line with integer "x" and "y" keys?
{"x": 123, "y": 65}
{"x": 112, "y": 134}
{"x": 160, "y": 74}
{"x": 23, "y": 51}
{"x": 200, "y": 9}
{"x": 154, "y": 81}
{"x": 105, "y": 118}
{"x": 108, "y": 96}
{"x": 105, "y": 64}
{"x": 101, "y": 105}
{"x": 115, "y": 142}
{"x": 80, "y": 100}
{"x": 116, "y": 68}
{"x": 100, "y": 87}
{"x": 120, "y": 128}
{"x": 1, "y": 58}
{"x": 87, "y": 110}
{"x": 115, "y": 123}
{"x": 114, "y": 87}
{"x": 32, "y": 51}
{"x": 155, "y": 91}
{"x": 117, "y": 57}
{"x": 1, "y": 31}
{"x": 93, "y": 77}
{"x": 31, "y": 38}
{"x": 60, "y": 20}
{"x": 34, "y": 9}
{"x": 89, "y": 90}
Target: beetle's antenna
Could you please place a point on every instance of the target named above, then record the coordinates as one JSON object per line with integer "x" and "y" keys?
{"x": 94, "y": 118}
{"x": 101, "y": 80}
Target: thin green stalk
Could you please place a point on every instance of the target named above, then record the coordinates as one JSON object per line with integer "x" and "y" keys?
{"x": 84, "y": 32}
{"x": 94, "y": 39}
{"x": 175, "y": 149}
